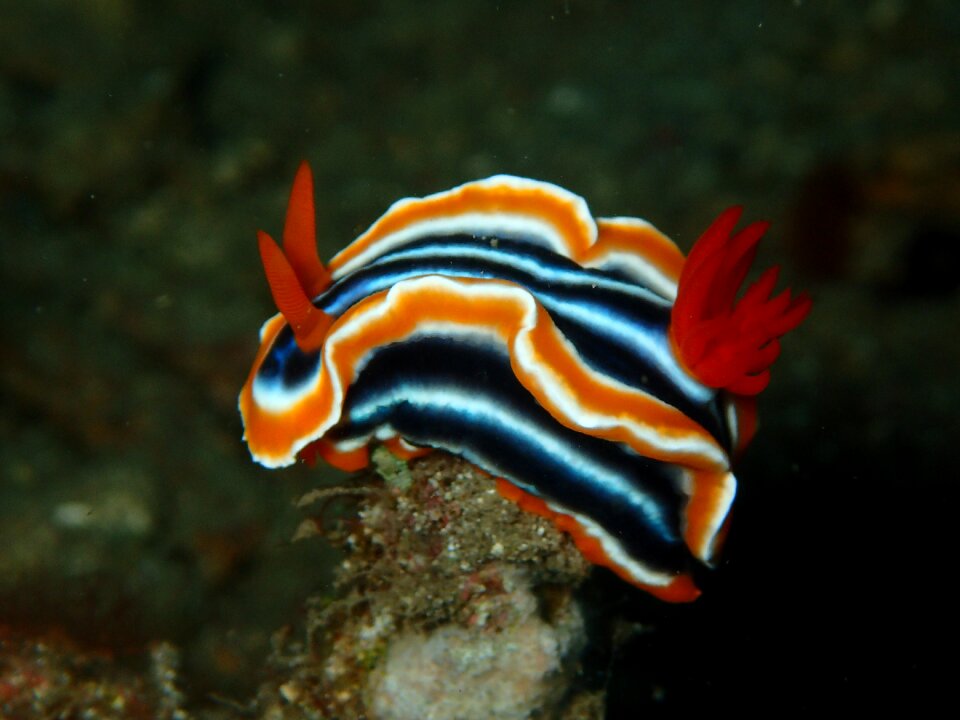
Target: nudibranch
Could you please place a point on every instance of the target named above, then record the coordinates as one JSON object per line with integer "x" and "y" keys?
{"x": 604, "y": 380}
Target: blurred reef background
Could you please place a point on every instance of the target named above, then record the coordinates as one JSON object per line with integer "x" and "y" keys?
{"x": 142, "y": 144}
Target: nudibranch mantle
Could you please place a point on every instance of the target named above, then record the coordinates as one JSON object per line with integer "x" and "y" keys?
{"x": 602, "y": 378}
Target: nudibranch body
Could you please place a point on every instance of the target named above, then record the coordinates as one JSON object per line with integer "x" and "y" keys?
{"x": 602, "y": 378}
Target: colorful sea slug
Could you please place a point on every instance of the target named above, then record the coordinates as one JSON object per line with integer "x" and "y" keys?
{"x": 603, "y": 380}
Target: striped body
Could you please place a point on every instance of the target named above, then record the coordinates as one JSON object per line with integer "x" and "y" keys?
{"x": 500, "y": 322}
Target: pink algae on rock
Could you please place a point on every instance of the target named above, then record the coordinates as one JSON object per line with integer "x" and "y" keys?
{"x": 451, "y": 602}
{"x": 458, "y": 672}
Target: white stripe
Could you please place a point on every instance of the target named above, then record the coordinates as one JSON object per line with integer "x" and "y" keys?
{"x": 651, "y": 346}
{"x": 617, "y": 554}
{"x": 479, "y": 224}
{"x": 635, "y": 264}
{"x": 274, "y": 397}
{"x": 531, "y": 266}
{"x": 707, "y": 547}
{"x": 482, "y": 411}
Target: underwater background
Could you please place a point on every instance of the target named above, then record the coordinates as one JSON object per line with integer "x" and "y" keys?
{"x": 143, "y": 144}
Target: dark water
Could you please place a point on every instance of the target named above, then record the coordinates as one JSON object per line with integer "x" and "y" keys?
{"x": 141, "y": 146}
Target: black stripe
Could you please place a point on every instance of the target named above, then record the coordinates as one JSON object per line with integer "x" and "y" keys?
{"x": 603, "y": 353}
{"x": 286, "y": 363}
{"x": 501, "y": 445}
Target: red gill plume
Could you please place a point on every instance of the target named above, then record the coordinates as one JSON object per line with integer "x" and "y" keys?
{"x": 722, "y": 341}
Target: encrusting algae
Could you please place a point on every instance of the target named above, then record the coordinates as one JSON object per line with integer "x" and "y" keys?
{"x": 452, "y": 603}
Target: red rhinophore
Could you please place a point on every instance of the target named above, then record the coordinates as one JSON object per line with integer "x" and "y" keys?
{"x": 300, "y": 235}
{"x": 309, "y": 325}
{"x": 295, "y": 273}
{"x": 722, "y": 341}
